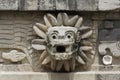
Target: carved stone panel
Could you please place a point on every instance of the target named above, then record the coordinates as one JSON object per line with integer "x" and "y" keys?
{"x": 109, "y": 44}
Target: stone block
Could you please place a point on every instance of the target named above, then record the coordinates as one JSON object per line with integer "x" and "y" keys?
{"x": 62, "y": 4}
{"x": 59, "y": 76}
{"x": 47, "y": 76}
{"x": 31, "y": 5}
{"x": 108, "y": 4}
{"x": 80, "y": 5}
{"x": 72, "y": 76}
{"x": 65, "y": 5}
{"x": 9, "y": 4}
{"x": 72, "y": 4}
{"x": 108, "y": 76}
{"x": 24, "y": 76}
{"x": 86, "y": 5}
{"x": 83, "y": 76}
{"x": 46, "y": 4}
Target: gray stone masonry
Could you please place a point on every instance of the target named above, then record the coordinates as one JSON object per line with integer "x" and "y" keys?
{"x": 72, "y": 5}
{"x": 58, "y": 76}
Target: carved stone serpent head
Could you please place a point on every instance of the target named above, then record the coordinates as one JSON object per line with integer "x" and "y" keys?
{"x": 61, "y": 41}
{"x": 64, "y": 42}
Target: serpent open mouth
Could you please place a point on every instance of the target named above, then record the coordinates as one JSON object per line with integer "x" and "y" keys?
{"x": 60, "y": 49}
{"x": 61, "y": 52}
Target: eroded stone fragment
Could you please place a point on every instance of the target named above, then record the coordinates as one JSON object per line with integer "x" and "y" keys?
{"x": 107, "y": 60}
{"x": 13, "y": 56}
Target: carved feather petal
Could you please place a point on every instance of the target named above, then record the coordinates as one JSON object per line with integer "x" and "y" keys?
{"x": 59, "y": 19}
{"x": 47, "y": 22}
{"x": 52, "y": 19}
{"x": 86, "y": 43}
{"x": 73, "y": 20}
{"x": 59, "y": 65}
{"x": 39, "y": 32}
{"x": 42, "y": 56}
{"x": 53, "y": 64}
{"x": 46, "y": 60}
{"x": 72, "y": 64}
{"x": 66, "y": 65}
{"x": 87, "y": 35}
{"x": 39, "y": 44}
{"x": 92, "y": 57}
{"x": 39, "y": 41}
{"x": 84, "y": 28}
{"x": 42, "y": 27}
{"x": 79, "y": 22}
{"x": 80, "y": 60}
{"x": 84, "y": 56}
{"x": 65, "y": 19}
{"x": 86, "y": 48}
{"x": 93, "y": 52}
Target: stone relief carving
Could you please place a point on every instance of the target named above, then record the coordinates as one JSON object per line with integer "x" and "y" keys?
{"x": 63, "y": 44}
{"x": 109, "y": 43}
{"x": 13, "y": 56}
{"x": 15, "y": 44}
{"x": 109, "y": 50}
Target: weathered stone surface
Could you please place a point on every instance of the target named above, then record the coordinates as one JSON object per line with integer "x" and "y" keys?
{"x": 24, "y": 67}
{"x": 9, "y": 4}
{"x": 86, "y": 5}
{"x": 109, "y": 68}
{"x": 58, "y": 76}
{"x": 72, "y": 76}
{"x": 111, "y": 48}
{"x": 31, "y": 5}
{"x": 108, "y": 25}
{"x": 46, "y": 4}
{"x": 109, "y": 29}
{"x": 8, "y": 68}
{"x": 14, "y": 56}
{"x": 80, "y": 5}
{"x": 107, "y": 16}
{"x": 109, "y": 76}
{"x": 62, "y": 5}
{"x": 109, "y": 4}
{"x": 44, "y": 76}
{"x": 72, "y": 5}
{"x": 107, "y": 60}
{"x": 15, "y": 68}
{"x": 106, "y": 35}
{"x": 47, "y": 76}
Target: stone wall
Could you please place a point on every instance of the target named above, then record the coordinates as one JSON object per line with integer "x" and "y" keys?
{"x": 106, "y": 25}
{"x": 17, "y": 29}
{"x": 21, "y": 15}
{"x": 76, "y": 5}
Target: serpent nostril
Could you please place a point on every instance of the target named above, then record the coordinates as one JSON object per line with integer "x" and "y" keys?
{"x": 61, "y": 37}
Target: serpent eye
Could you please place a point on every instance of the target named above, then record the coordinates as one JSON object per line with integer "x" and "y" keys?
{"x": 54, "y": 36}
{"x": 69, "y": 35}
